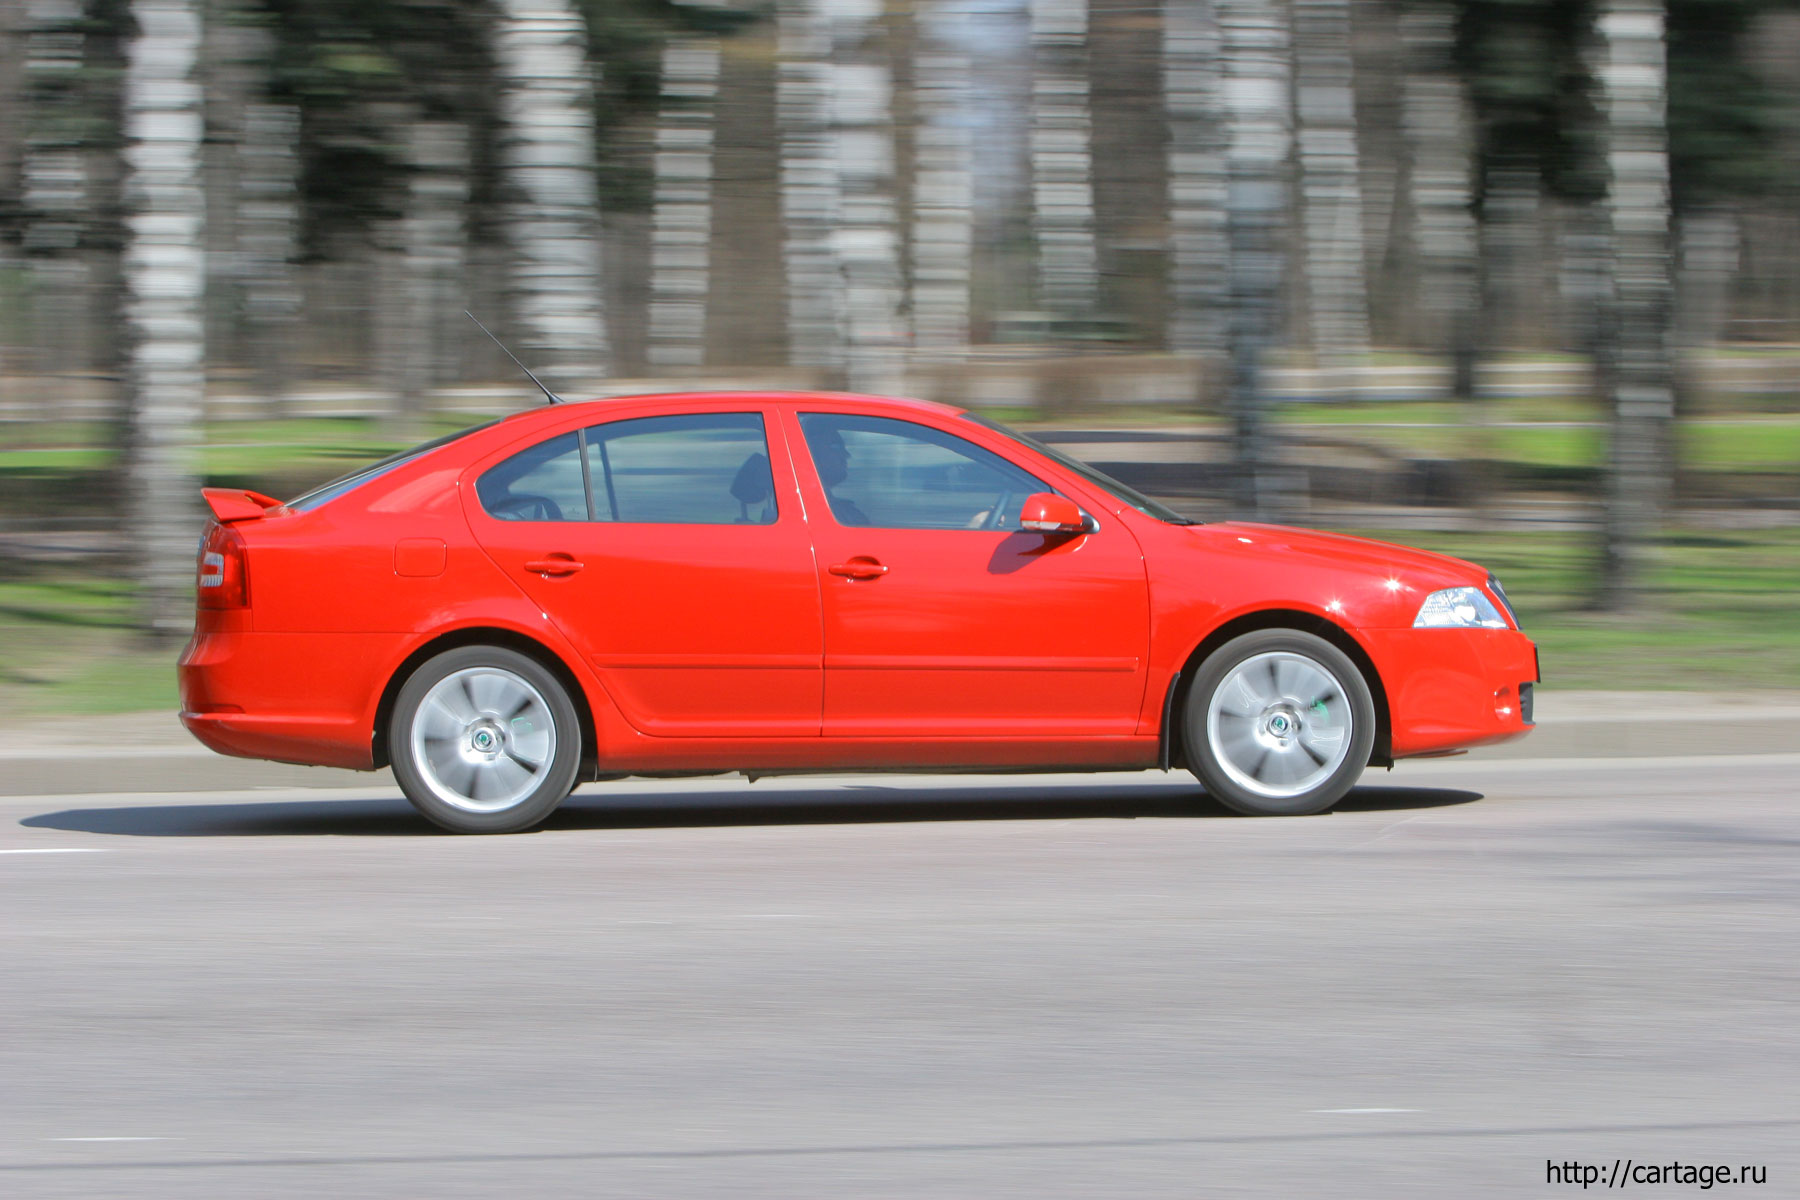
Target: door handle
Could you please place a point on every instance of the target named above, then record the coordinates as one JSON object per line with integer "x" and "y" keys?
{"x": 859, "y": 568}
{"x": 556, "y": 564}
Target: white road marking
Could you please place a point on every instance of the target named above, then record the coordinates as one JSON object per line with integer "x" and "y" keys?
{"x": 58, "y": 850}
{"x": 1365, "y": 1110}
{"x": 113, "y": 1139}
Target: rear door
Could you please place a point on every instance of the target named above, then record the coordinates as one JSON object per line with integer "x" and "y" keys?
{"x": 670, "y": 549}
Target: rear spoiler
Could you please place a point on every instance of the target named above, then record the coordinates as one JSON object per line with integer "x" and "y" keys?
{"x": 242, "y": 504}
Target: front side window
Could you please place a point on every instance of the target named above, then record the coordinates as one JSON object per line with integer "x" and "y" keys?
{"x": 891, "y": 474}
{"x": 699, "y": 469}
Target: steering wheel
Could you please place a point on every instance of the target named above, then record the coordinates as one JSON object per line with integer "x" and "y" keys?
{"x": 526, "y": 506}
{"x": 996, "y": 516}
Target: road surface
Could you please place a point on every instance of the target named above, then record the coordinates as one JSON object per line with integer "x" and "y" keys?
{"x": 877, "y": 987}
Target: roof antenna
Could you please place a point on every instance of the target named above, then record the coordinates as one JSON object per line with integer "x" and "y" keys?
{"x": 552, "y": 396}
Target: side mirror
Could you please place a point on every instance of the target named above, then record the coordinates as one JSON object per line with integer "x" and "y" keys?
{"x": 1047, "y": 513}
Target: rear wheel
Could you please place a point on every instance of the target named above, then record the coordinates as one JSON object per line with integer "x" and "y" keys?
{"x": 1279, "y": 723}
{"x": 484, "y": 740}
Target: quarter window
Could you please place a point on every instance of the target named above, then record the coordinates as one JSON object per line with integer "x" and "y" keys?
{"x": 542, "y": 483}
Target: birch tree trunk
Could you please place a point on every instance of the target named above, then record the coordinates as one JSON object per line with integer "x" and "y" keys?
{"x": 943, "y": 188}
{"x": 547, "y": 153}
{"x": 868, "y": 234}
{"x": 1635, "y": 83}
{"x": 810, "y": 189}
{"x": 1199, "y": 249}
{"x": 1062, "y": 186}
{"x": 681, "y": 233}
{"x": 1260, "y": 123}
{"x": 1336, "y": 281}
{"x": 166, "y": 276}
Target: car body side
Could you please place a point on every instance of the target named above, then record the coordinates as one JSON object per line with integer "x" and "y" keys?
{"x": 346, "y": 598}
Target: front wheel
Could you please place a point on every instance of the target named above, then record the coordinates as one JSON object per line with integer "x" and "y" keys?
{"x": 1279, "y": 723}
{"x": 484, "y": 740}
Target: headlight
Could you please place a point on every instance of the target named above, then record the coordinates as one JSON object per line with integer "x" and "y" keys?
{"x": 1458, "y": 608}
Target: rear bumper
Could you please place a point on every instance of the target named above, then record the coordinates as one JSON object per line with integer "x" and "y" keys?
{"x": 1452, "y": 689}
{"x": 297, "y": 698}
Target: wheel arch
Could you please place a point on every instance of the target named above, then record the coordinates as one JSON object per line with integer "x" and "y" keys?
{"x": 486, "y": 635}
{"x": 1173, "y": 752}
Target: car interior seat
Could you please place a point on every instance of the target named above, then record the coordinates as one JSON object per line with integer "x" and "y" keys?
{"x": 754, "y": 488}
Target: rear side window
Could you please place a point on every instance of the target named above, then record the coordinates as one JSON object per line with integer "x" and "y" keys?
{"x": 699, "y": 469}
{"x": 542, "y": 483}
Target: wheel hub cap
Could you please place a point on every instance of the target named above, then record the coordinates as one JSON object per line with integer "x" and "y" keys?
{"x": 481, "y": 739}
{"x": 1279, "y": 724}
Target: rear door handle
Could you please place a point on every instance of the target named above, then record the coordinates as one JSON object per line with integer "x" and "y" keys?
{"x": 859, "y": 568}
{"x": 556, "y": 564}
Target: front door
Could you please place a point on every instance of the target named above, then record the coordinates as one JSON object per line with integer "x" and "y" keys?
{"x": 667, "y": 553}
{"x": 943, "y": 618}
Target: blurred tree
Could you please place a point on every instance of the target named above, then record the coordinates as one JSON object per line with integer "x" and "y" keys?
{"x": 1436, "y": 115}
{"x": 166, "y": 277}
{"x": 1199, "y": 251}
{"x": 811, "y": 188}
{"x": 1062, "y": 186}
{"x": 1259, "y": 115}
{"x": 681, "y": 239}
{"x": 1635, "y": 77}
{"x": 868, "y": 236}
{"x": 1330, "y": 185}
{"x": 943, "y": 182}
{"x": 552, "y": 221}
{"x": 69, "y": 212}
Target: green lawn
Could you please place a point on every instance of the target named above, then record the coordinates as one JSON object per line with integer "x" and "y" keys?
{"x": 70, "y": 648}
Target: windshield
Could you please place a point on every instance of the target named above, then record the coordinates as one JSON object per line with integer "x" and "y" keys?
{"x": 1099, "y": 479}
{"x": 327, "y": 492}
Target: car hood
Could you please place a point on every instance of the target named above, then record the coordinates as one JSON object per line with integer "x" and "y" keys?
{"x": 1344, "y": 551}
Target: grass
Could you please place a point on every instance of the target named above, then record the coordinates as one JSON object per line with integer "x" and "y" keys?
{"x": 1719, "y": 611}
{"x": 70, "y": 647}
{"x": 1720, "y": 615}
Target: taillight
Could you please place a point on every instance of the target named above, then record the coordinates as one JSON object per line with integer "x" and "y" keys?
{"x": 224, "y": 578}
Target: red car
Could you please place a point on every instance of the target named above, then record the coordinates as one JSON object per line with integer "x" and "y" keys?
{"x": 768, "y": 582}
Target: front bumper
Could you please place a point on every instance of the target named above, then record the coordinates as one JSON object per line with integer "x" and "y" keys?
{"x": 1451, "y": 689}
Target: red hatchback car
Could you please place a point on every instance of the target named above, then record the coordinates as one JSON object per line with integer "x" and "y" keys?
{"x": 769, "y": 582}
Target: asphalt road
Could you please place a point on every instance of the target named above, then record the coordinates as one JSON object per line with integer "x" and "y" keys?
{"x": 1083, "y": 987}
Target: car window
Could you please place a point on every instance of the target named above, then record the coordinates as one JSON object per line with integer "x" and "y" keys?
{"x": 698, "y": 469}
{"x": 541, "y": 483}
{"x": 898, "y": 475}
{"x": 1136, "y": 499}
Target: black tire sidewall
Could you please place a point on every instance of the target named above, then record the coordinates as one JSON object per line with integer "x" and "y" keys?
{"x": 1212, "y": 673}
{"x": 558, "y": 779}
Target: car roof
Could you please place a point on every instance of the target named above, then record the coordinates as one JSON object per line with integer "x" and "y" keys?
{"x": 725, "y": 399}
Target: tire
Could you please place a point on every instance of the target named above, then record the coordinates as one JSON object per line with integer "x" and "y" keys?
{"x": 484, "y": 740}
{"x": 1278, "y": 723}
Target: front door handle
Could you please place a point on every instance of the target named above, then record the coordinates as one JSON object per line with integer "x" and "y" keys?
{"x": 555, "y": 564}
{"x": 859, "y": 568}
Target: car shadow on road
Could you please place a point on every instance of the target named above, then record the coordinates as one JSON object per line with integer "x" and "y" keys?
{"x": 650, "y": 806}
